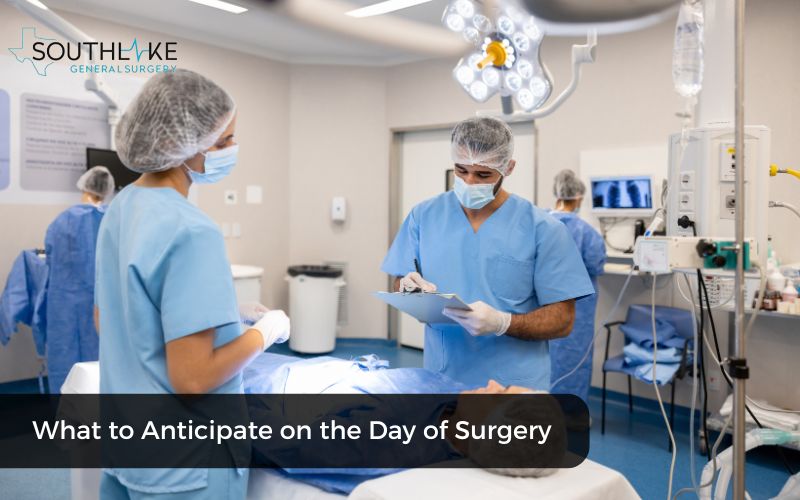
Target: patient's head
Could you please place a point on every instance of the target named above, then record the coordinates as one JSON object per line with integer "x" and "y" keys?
{"x": 488, "y": 454}
{"x": 494, "y": 387}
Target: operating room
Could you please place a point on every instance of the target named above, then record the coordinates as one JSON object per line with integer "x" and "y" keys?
{"x": 332, "y": 171}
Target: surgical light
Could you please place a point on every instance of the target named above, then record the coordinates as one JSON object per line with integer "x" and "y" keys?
{"x": 479, "y": 91}
{"x": 539, "y": 87}
{"x": 513, "y": 81}
{"x": 465, "y": 75}
{"x": 455, "y": 22}
{"x": 491, "y": 77}
{"x": 505, "y": 60}
{"x": 472, "y": 35}
{"x": 532, "y": 30}
{"x": 505, "y": 25}
{"x": 525, "y": 69}
{"x": 482, "y": 23}
{"x": 525, "y": 99}
{"x": 219, "y": 4}
{"x": 465, "y": 8}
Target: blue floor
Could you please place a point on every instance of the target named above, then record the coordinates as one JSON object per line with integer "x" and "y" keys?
{"x": 635, "y": 445}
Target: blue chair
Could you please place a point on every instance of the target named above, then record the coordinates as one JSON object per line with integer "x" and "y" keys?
{"x": 673, "y": 329}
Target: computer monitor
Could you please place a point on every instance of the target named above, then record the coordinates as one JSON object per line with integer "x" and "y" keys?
{"x": 622, "y": 196}
{"x": 122, "y": 175}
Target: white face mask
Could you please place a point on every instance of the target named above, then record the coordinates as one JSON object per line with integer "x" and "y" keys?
{"x": 474, "y": 196}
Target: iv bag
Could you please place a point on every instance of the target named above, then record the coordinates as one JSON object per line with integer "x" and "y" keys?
{"x": 687, "y": 54}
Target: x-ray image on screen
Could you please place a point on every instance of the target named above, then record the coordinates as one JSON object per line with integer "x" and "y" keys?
{"x": 622, "y": 193}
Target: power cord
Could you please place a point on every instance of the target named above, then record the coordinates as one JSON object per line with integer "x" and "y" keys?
{"x": 658, "y": 392}
{"x": 788, "y": 206}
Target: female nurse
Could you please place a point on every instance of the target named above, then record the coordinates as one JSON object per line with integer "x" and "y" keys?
{"x": 516, "y": 265}
{"x": 571, "y": 363}
{"x": 165, "y": 301}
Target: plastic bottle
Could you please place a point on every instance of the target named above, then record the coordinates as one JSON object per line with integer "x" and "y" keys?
{"x": 772, "y": 257}
{"x": 789, "y": 293}
{"x": 776, "y": 281}
{"x": 687, "y": 53}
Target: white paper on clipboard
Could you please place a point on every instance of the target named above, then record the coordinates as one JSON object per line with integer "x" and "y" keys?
{"x": 425, "y": 307}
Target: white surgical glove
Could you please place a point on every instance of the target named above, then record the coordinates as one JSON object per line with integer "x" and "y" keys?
{"x": 414, "y": 281}
{"x": 251, "y": 312}
{"x": 274, "y": 327}
{"x": 483, "y": 319}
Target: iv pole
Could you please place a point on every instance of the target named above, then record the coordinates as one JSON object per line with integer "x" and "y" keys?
{"x": 738, "y": 365}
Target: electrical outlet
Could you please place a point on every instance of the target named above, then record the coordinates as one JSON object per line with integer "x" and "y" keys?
{"x": 231, "y": 197}
{"x": 687, "y": 180}
{"x": 727, "y": 163}
{"x": 686, "y": 202}
{"x": 727, "y": 200}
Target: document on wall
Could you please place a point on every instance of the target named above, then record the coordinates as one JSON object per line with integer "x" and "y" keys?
{"x": 55, "y": 133}
{"x": 425, "y": 307}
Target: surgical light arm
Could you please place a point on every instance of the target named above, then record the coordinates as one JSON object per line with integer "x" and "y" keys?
{"x": 61, "y": 26}
{"x": 581, "y": 54}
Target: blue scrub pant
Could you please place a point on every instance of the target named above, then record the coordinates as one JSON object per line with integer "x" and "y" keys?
{"x": 222, "y": 484}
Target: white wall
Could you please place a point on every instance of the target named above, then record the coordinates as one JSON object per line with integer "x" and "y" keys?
{"x": 339, "y": 146}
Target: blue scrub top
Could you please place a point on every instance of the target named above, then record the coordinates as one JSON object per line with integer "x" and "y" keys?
{"x": 161, "y": 274}
{"x": 520, "y": 259}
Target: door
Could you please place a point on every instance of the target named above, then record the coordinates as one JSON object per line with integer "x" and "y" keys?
{"x": 424, "y": 159}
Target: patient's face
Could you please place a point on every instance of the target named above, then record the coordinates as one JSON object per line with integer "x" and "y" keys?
{"x": 493, "y": 387}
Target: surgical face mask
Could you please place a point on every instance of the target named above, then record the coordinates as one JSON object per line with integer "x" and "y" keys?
{"x": 217, "y": 165}
{"x": 474, "y": 196}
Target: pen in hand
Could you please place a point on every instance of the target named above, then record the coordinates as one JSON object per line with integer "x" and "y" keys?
{"x": 419, "y": 271}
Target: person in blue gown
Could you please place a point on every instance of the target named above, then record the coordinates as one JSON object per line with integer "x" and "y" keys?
{"x": 515, "y": 265}
{"x": 571, "y": 357}
{"x": 169, "y": 322}
{"x": 70, "y": 336}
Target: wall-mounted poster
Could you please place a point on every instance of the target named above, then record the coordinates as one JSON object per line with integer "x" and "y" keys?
{"x": 54, "y": 135}
{"x": 5, "y": 139}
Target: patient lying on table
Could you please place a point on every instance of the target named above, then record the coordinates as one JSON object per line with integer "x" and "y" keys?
{"x": 273, "y": 373}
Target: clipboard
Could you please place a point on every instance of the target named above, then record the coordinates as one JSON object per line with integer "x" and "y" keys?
{"x": 425, "y": 307}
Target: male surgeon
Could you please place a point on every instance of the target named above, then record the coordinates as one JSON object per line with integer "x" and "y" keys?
{"x": 516, "y": 266}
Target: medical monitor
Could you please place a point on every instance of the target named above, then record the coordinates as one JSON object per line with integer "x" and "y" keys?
{"x": 622, "y": 196}
{"x": 105, "y": 157}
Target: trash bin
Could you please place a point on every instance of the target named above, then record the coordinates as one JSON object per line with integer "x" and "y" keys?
{"x": 313, "y": 307}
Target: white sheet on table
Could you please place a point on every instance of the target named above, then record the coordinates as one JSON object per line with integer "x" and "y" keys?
{"x": 588, "y": 481}
{"x": 83, "y": 378}
{"x": 266, "y": 484}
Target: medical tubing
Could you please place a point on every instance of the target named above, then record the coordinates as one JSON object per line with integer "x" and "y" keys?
{"x": 598, "y": 329}
{"x": 700, "y": 351}
{"x": 753, "y": 439}
{"x": 725, "y": 375}
{"x": 655, "y": 386}
{"x": 705, "y": 482}
{"x": 787, "y": 206}
{"x": 693, "y": 406}
{"x": 710, "y": 469}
